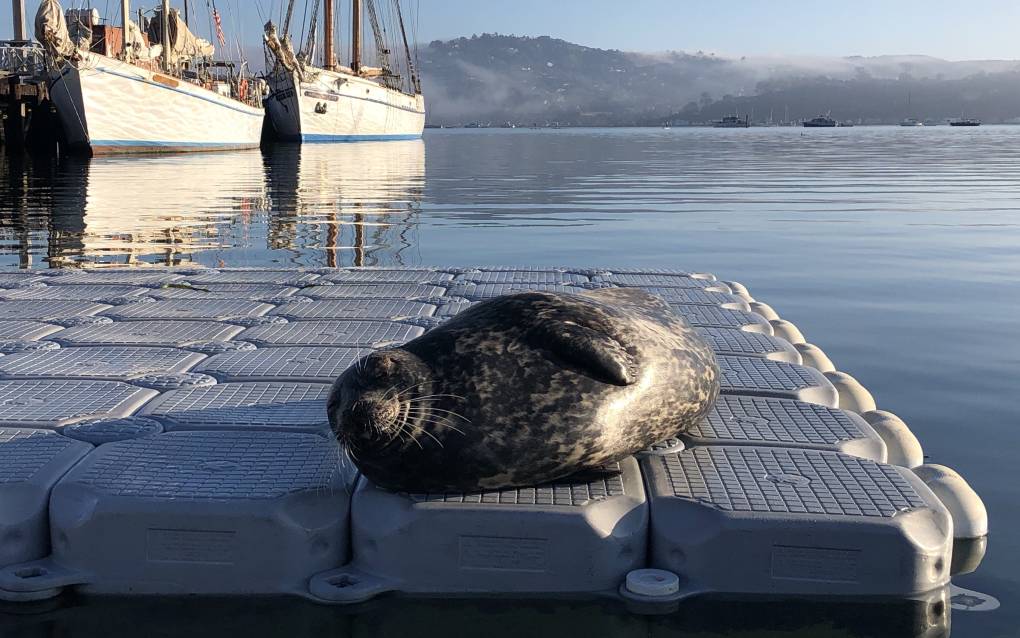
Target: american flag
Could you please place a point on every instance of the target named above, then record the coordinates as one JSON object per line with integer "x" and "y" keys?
{"x": 219, "y": 27}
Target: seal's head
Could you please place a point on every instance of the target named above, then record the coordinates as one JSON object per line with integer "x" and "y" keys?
{"x": 378, "y": 400}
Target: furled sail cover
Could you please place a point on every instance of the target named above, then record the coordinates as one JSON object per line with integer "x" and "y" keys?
{"x": 139, "y": 44}
{"x": 184, "y": 45}
{"x": 282, "y": 50}
{"x": 51, "y": 29}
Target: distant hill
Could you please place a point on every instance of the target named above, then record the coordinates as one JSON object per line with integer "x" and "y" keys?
{"x": 498, "y": 78}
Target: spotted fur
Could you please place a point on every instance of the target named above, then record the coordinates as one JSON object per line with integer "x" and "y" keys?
{"x": 525, "y": 389}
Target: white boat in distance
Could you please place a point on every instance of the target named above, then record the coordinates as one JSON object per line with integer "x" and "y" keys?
{"x": 334, "y": 103}
{"x": 116, "y": 94}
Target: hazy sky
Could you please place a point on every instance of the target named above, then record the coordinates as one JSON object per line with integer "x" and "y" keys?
{"x": 952, "y": 29}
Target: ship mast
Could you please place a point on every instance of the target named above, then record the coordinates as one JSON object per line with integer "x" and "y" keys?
{"x": 165, "y": 28}
{"x": 356, "y": 37}
{"x": 329, "y": 59}
{"x": 286, "y": 21}
{"x": 18, "y": 13}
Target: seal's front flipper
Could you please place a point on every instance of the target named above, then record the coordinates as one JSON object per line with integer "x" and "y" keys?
{"x": 594, "y": 352}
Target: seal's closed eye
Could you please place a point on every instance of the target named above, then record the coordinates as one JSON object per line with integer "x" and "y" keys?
{"x": 380, "y": 365}
{"x": 594, "y": 352}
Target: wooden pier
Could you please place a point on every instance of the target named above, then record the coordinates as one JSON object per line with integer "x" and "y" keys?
{"x": 28, "y": 118}
{"x": 29, "y": 121}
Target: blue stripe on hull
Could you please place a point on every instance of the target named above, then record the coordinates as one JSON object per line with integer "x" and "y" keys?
{"x": 320, "y": 139}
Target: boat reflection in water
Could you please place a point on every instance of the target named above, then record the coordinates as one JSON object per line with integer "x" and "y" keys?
{"x": 354, "y": 204}
{"x": 314, "y": 206}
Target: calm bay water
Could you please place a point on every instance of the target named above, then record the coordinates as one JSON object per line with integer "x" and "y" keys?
{"x": 895, "y": 250}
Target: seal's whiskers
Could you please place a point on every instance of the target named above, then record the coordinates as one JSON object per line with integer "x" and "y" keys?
{"x": 427, "y": 409}
{"x": 422, "y": 430}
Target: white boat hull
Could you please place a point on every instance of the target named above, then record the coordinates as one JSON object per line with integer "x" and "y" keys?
{"x": 109, "y": 106}
{"x": 337, "y": 107}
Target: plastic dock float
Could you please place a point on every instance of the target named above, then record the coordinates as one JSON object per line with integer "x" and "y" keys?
{"x": 164, "y": 432}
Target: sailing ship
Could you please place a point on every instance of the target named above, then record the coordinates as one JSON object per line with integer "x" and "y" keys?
{"x": 115, "y": 92}
{"x": 733, "y": 121}
{"x": 822, "y": 121}
{"x": 335, "y": 103}
{"x": 964, "y": 121}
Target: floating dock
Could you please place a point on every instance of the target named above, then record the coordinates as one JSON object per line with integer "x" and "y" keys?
{"x": 164, "y": 432}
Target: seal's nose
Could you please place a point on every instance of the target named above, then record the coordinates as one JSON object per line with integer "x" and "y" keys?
{"x": 378, "y": 413}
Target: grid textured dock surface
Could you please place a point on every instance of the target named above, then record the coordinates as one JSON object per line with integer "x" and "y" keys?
{"x": 182, "y": 330}
{"x": 198, "y": 387}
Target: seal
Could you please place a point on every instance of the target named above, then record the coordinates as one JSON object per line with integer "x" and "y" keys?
{"x": 524, "y": 389}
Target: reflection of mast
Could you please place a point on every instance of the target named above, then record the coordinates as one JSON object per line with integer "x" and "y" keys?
{"x": 359, "y": 238}
{"x": 367, "y": 209}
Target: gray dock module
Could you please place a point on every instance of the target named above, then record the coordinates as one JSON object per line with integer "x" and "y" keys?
{"x": 387, "y": 276}
{"x": 251, "y": 292}
{"x": 277, "y": 277}
{"x": 31, "y": 463}
{"x": 188, "y": 310}
{"x": 113, "y": 363}
{"x": 98, "y": 293}
{"x": 660, "y": 280}
{"x": 713, "y": 317}
{"x": 778, "y": 521}
{"x": 116, "y": 277}
{"x": 452, "y": 306}
{"x": 203, "y": 513}
{"x": 285, "y": 407}
{"x": 480, "y": 292}
{"x": 25, "y": 330}
{"x": 758, "y": 421}
{"x": 19, "y": 279}
{"x": 765, "y": 378}
{"x": 48, "y": 311}
{"x": 698, "y": 297}
{"x": 379, "y": 309}
{"x": 52, "y": 403}
{"x": 526, "y": 277}
{"x": 154, "y": 333}
{"x": 300, "y": 364}
{"x": 554, "y": 538}
{"x": 730, "y": 341}
{"x": 414, "y": 292}
{"x": 349, "y": 334}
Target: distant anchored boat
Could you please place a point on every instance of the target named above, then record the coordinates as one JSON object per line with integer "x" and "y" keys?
{"x": 911, "y": 121}
{"x": 733, "y": 121}
{"x": 822, "y": 121}
{"x": 965, "y": 121}
{"x": 335, "y": 103}
{"x": 158, "y": 91}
